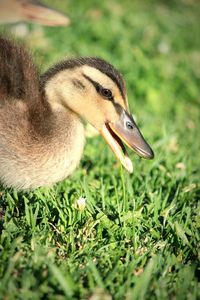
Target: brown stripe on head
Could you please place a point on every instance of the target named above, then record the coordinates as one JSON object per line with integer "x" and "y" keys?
{"x": 108, "y": 70}
{"x": 95, "y": 62}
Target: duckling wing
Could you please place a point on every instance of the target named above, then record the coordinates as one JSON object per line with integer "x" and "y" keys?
{"x": 19, "y": 78}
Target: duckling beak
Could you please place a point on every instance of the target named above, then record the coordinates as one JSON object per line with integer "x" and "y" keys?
{"x": 126, "y": 131}
{"x": 41, "y": 14}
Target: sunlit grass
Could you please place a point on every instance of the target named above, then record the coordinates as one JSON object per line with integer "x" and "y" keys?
{"x": 137, "y": 237}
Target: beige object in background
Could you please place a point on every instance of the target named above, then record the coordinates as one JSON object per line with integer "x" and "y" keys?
{"x": 12, "y": 11}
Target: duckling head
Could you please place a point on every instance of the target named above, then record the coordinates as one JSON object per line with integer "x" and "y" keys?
{"x": 95, "y": 91}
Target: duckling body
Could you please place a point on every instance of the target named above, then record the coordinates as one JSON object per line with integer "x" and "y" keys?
{"x": 41, "y": 132}
{"x": 28, "y": 158}
{"x": 39, "y": 144}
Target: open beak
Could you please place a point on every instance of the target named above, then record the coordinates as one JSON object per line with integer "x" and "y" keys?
{"x": 41, "y": 14}
{"x": 126, "y": 131}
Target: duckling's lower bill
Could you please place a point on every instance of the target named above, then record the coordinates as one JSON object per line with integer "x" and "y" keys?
{"x": 126, "y": 131}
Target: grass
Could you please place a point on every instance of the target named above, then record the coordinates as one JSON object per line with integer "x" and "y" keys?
{"x": 138, "y": 237}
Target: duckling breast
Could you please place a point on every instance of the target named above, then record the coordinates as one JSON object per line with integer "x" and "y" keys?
{"x": 29, "y": 161}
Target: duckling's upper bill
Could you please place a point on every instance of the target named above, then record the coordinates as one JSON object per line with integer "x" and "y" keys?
{"x": 125, "y": 131}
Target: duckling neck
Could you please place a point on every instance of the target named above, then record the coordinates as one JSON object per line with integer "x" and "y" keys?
{"x": 39, "y": 157}
{"x": 58, "y": 137}
{"x": 61, "y": 133}
{"x": 64, "y": 143}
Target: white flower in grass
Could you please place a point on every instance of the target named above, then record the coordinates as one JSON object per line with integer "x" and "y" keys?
{"x": 80, "y": 203}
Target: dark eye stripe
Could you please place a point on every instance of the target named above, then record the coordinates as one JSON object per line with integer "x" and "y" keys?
{"x": 95, "y": 84}
{"x": 99, "y": 88}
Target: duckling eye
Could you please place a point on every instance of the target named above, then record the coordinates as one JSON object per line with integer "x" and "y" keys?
{"x": 106, "y": 93}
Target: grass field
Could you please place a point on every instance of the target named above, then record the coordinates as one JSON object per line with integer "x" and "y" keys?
{"x": 138, "y": 236}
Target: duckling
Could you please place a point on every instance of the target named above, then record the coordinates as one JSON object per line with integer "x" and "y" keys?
{"x": 12, "y": 11}
{"x": 41, "y": 129}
